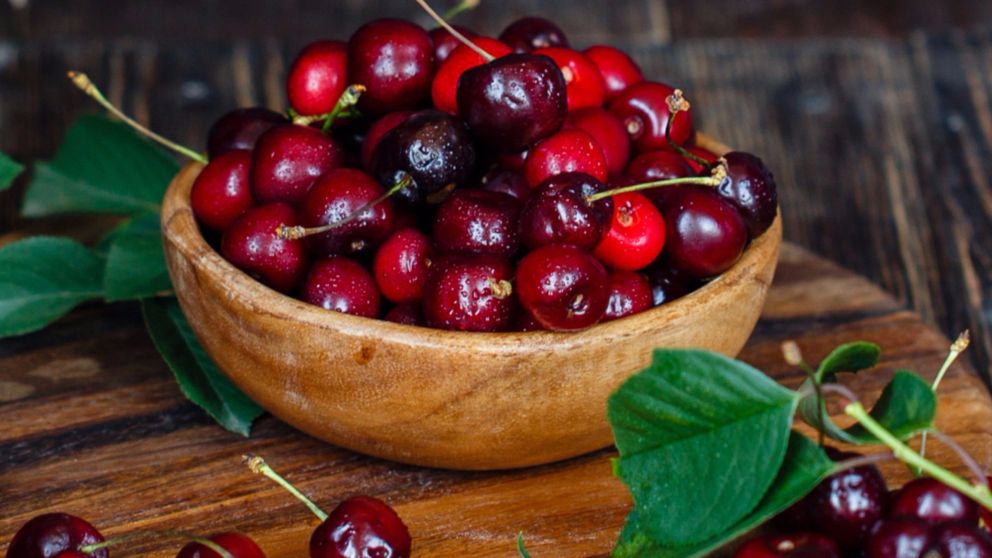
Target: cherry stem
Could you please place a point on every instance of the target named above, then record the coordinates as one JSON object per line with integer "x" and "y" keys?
{"x": 462, "y": 6}
{"x": 677, "y": 103}
{"x": 260, "y": 467}
{"x": 447, "y": 26}
{"x": 865, "y": 460}
{"x": 957, "y": 347}
{"x": 297, "y": 232}
{"x": 349, "y": 98}
{"x": 965, "y": 457}
{"x": 703, "y": 180}
{"x": 840, "y": 390}
{"x": 83, "y": 82}
{"x": 500, "y": 288}
{"x": 91, "y": 548}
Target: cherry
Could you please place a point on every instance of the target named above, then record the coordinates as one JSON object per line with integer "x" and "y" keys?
{"x": 846, "y": 505}
{"x": 569, "y": 150}
{"x": 529, "y": 33}
{"x": 957, "y": 540}
{"x": 658, "y": 165}
{"x": 608, "y": 133}
{"x": 750, "y": 187}
{"x": 899, "y": 538}
{"x": 337, "y": 196}
{"x": 513, "y": 161}
{"x": 629, "y": 293}
{"x": 526, "y": 322}
{"x": 702, "y": 153}
{"x": 240, "y": 546}
{"x": 432, "y": 149}
{"x": 668, "y": 283}
{"x": 407, "y": 314}
{"x": 240, "y": 129}
{"x": 563, "y": 287}
{"x": 252, "y": 244}
{"x": 618, "y": 70}
{"x": 796, "y": 545}
{"x": 705, "y": 234}
{"x": 643, "y": 109}
{"x": 401, "y": 265}
{"x": 317, "y": 77}
{"x": 55, "y": 534}
{"x": 445, "y": 43}
{"x": 636, "y": 233}
{"x": 361, "y": 527}
{"x": 559, "y": 211}
{"x": 394, "y": 60}
{"x": 288, "y": 160}
{"x": 583, "y": 83}
{"x": 932, "y": 501}
{"x": 445, "y": 84}
{"x": 507, "y": 182}
{"x": 513, "y": 101}
{"x": 342, "y": 285}
{"x": 478, "y": 222}
{"x": 220, "y": 193}
{"x": 469, "y": 293}
{"x": 378, "y": 129}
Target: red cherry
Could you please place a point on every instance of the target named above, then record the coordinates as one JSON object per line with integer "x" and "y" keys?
{"x": 583, "y": 83}
{"x": 287, "y": 161}
{"x": 559, "y": 211}
{"x": 705, "y": 234}
{"x": 336, "y": 196}
{"x": 513, "y": 161}
{"x": 507, "y": 182}
{"x": 361, "y": 527}
{"x": 253, "y": 245}
{"x": 629, "y": 292}
{"x": 394, "y": 60}
{"x": 318, "y": 77}
{"x": 378, "y": 129}
{"x": 445, "y": 85}
{"x": 445, "y": 42}
{"x": 658, "y": 165}
{"x": 562, "y": 287}
{"x": 899, "y": 538}
{"x": 526, "y": 322}
{"x": 407, "y": 314}
{"x": 636, "y": 234}
{"x": 221, "y": 193}
{"x": 342, "y": 285}
{"x": 54, "y": 534}
{"x": 956, "y": 540}
{"x": 402, "y": 264}
{"x": 668, "y": 284}
{"x": 702, "y": 153}
{"x": 478, "y": 222}
{"x": 469, "y": 293}
{"x": 240, "y": 546}
{"x": 240, "y": 129}
{"x": 619, "y": 71}
{"x": 569, "y": 150}
{"x": 932, "y": 501}
{"x": 643, "y": 109}
{"x": 608, "y": 133}
{"x": 529, "y": 33}
{"x": 797, "y": 545}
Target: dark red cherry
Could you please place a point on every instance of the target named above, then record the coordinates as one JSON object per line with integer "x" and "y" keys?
{"x": 361, "y": 527}
{"x": 470, "y": 293}
{"x": 513, "y": 101}
{"x": 431, "y": 148}
{"x": 668, "y": 283}
{"x": 635, "y": 235}
{"x": 618, "y": 70}
{"x": 658, "y": 165}
{"x": 394, "y": 60}
{"x": 899, "y": 538}
{"x": 445, "y": 43}
{"x": 253, "y": 245}
{"x": 750, "y": 187}
{"x": 607, "y": 132}
{"x": 583, "y": 84}
{"x": 569, "y": 150}
{"x": 402, "y": 265}
{"x": 407, "y": 314}
{"x": 507, "y": 182}
{"x": 445, "y": 85}
{"x": 526, "y": 322}
{"x": 705, "y": 234}
{"x": 629, "y": 293}
{"x": 240, "y": 129}
{"x": 478, "y": 222}
{"x": 957, "y": 540}
{"x": 220, "y": 193}
{"x": 846, "y": 505}
{"x": 342, "y": 285}
{"x": 52, "y": 534}
{"x": 240, "y": 546}
{"x": 702, "y": 153}
{"x": 318, "y": 77}
{"x": 796, "y": 545}
{"x": 513, "y": 160}
{"x": 934, "y": 502}
{"x": 336, "y": 196}
{"x": 288, "y": 160}
{"x": 562, "y": 287}
{"x": 643, "y": 109}
{"x": 378, "y": 129}
{"x": 529, "y": 33}
{"x": 72, "y": 554}
{"x": 558, "y": 211}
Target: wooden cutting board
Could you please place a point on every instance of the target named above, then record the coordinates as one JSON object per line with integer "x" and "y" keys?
{"x": 91, "y": 423}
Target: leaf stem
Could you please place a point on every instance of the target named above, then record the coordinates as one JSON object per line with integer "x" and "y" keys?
{"x": 260, "y": 467}
{"x": 703, "y": 180}
{"x": 957, "y": 347}
{"x": 298, "y": 231}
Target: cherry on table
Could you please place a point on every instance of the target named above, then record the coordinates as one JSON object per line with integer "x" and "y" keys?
{"x": 378, "y": 129}
{"x": 583, "y": 83}
{"x": 529, "y": 33}
{"x": 394, "y": 60}
{"x": 846, "y": 505}
{"x": 506, "y": 181}
{"x": 288, "y": 159}
{"x": 608, "y": 133}
{"x": 317, "y": 77}
{"x": 569, "y": 150}
{"x": 239, "y": 545}
{"x": 668, "y": 283}
{"x": 253, "y": 244}
{"x": 478, "y": 222}
{"x": 636, "y": 233}
{"x": 750, "y": 187}
{"x": 361, "y": 527}
{"x": 444, "y": 87}
{"x": 338, "y": 195}
{"x": 705, "y": 234}
{"x": 643, "y": 109}
{"x": 240, "y": 129}
{"x": 562, "y": 287}
{"x": 221, "y": 192}
{"x": 618, "y": 70}
{"x": 899, "y": 538}
{"x": 469, "y": 293}
{"x": 401, "y": 265}
{"x": 558, "y": 211}
{"x": 53, "y": 534}
{"x": 629, "y": 293}
{"x": 795, "y": 545}
{"x": 445, "y": 43}
{"x": 961, "y": 540}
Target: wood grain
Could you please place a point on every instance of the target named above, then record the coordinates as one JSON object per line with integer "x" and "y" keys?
{"x": 102, "y": 431}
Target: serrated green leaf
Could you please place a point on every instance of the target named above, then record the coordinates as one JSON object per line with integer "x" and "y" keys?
{"x": 804, "y": 467}
{"x": 849, "y": 357}
{"x": 102, "y": 166}
{"x": 136, "y": 261}
{"x": 199, "y": 378}
{"x": 686, "y": 427}
{"x": 9, "y": 170}
{"x": 43, "y": 278}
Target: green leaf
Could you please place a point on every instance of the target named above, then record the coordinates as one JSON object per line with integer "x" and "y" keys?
{"x": 136, "y": 261}
{"x": 9, "y": 170}
{"x": 43, "y": 278}
{"x": 701, "y": 437}
{"x": 102, "y": 167}
{"x": 849, "y": 357}
{"x": 199, "y": 378}
{"x": 804, "y": 467}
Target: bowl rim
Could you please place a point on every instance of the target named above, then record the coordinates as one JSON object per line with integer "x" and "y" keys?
{"x": 179, "y": 227}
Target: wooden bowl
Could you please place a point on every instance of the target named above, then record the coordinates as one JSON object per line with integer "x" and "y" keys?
{"x": 432, "y": 397}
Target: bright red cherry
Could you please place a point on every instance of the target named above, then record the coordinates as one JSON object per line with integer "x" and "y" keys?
{"x": 394, "y": 60}
{"x": 899, "y": 538}
{"x": 253, "y": 245}
{"x": 559, "y": 211}
{"x": 220, "y": 193}
{"x": 529, "y": 33}
{"x": 562, "y": 287}
{"x": 378, "y": 129}
{"x": 507, "y": 182}
{"x": 619, "y": 71}
{"x": 361, "y": 527}
{"x": 569, "y": 150}
{"x": 445, "y": 85}
{"x": 478, "y": 222}
{"x": 797, "y": 545}
{"x": 629, "y": 292}
{"x": 336, "y": 196}
{"x": 240, "y": 129}
{"x": 636, "y": 234}
{"x": 608, "y": 133}
{"x": 402, "y": 265}
{"x": 288, "y": 160}
{"x": 702, "y": 153}
{"x": 240, "y": 546}
{"x": 54, "y": 534}
{"x": 643, "y": 109}
{"x": 407, "y": 314}
{"x": 957, "y": 540}
{"x": 342, "y": 285}
{"x": 445, "y": 42}
{"x": 318, "y": 77}
{"x": 932, "y": 501}
{"x": 705, "y": 234}
{"x": 658, "y": 165}
{"x": 470, "y": 293}
{"x": 750, "y": 187}
{"x": 583, "y": 83}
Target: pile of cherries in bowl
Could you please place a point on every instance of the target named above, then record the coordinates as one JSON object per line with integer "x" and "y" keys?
{"x": 470, "y": 183}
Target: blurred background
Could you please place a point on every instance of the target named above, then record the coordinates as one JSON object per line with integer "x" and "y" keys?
{"x": 874, "y": 115}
